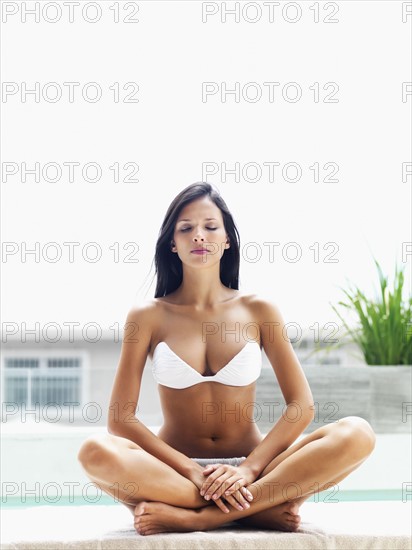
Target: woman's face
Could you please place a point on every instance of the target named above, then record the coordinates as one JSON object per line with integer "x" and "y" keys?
{"x": 193, "y": 230}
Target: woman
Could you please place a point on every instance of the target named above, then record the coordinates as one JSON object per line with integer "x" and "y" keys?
{"x": 209, "y": 464}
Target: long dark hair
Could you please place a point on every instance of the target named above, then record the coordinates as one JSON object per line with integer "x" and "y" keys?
{"x": 168, "y": 265}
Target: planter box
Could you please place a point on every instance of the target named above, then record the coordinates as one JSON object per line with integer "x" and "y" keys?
{"x": 382, "y": 395}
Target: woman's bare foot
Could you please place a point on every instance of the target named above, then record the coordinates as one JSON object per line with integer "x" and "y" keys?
{"x": 283, "y": 517}
{"x": 157, "y": 517}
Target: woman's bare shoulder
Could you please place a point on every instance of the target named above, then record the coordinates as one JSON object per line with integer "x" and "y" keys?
{"x": 144, "y": 309}
{"x": 260, "y": 304}
{"x": 254, "y": 299}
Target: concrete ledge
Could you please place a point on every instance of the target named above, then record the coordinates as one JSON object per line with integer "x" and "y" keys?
{"x": 340, "y": 526}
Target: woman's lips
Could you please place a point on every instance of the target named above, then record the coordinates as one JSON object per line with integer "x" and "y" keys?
{"x": 199, "y": 251}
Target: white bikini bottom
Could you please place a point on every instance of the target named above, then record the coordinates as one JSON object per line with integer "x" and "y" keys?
{"x": 235, "y": 461}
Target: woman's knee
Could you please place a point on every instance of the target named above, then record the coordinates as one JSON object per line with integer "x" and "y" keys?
{"x": 90, "y": 451}
{"x": 98, "y": 450}
{"x": 356, "y": 435}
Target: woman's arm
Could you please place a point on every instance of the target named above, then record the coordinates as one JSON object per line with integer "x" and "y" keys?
{"x": 300, "y": 410}
{"x": 126, "y": 388}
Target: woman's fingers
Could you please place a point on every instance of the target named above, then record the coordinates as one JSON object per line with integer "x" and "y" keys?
{"x": 210, "y": 467}
{"x": 247, "y": 493}
{"x": 237, "y": 501}
{"x": 231, "y": 500}
{"x": 218, "y": 486}
{"x": 212, "y": 479}
{"x": 219, "y": 502}
{"x": 241, "y": 499}
{"x": 227, "y": 484}
{"x": 223, "y": 482}
{"x": 231, "y": 484}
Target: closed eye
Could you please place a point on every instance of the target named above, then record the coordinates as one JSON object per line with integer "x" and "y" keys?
{"x": 188, "y": 228}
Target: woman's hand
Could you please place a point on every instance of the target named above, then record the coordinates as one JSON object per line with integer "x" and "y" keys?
{"x": 228, "y": 482}
{"x": 198, "y": 478}
{"x": 236, "y": 499}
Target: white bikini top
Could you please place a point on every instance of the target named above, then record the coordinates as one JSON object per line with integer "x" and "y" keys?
{"x": 170, "y": 370}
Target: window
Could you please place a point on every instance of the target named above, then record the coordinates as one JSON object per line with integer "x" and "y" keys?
{"x": 35, "y": 379}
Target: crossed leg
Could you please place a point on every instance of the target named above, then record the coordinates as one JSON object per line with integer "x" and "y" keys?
{"x": 123, "y": 469}
{"x": 270, "y": 517}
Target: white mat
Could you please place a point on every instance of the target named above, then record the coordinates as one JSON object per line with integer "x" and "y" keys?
{"x": 342, "y": 526}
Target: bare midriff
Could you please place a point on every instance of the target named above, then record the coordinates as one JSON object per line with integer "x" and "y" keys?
{"x": 209, "y": 419}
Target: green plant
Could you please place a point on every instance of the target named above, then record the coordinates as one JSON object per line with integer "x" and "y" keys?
{"x": 384, "y": 330}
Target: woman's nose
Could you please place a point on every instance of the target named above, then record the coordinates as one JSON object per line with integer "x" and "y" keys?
{"x": 198, "y": 236}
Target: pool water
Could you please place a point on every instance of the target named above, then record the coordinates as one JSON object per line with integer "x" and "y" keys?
{"x": 328, "y": 496}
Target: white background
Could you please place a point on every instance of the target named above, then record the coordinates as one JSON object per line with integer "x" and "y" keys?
{"x": 170, "y": 132}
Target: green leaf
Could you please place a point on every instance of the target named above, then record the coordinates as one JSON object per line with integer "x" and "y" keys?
{"x": 383, "y": 330}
